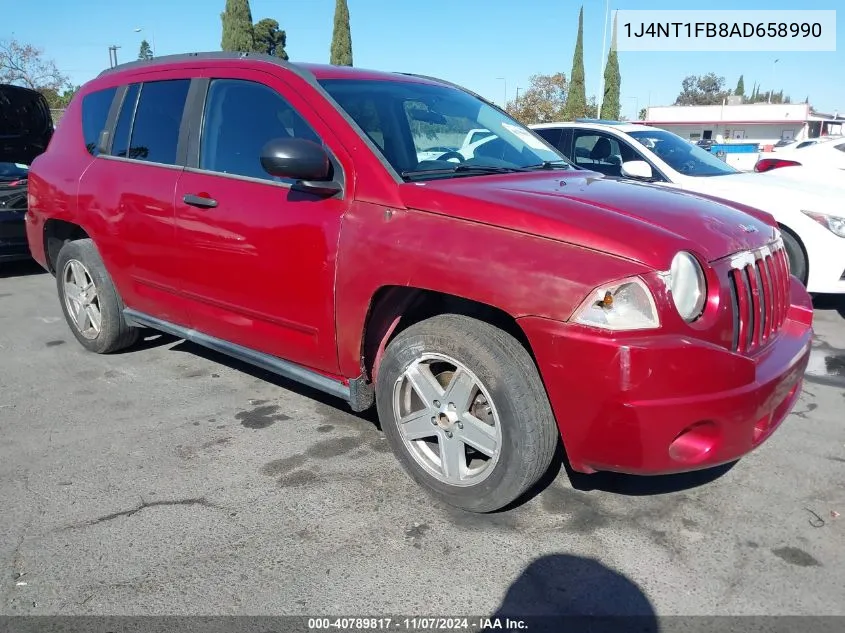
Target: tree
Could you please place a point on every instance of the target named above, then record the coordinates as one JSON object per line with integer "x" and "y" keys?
{"x": 740, "y": 87}
{"x": 702, "y": 90}
{"x": 542, "y": 102}
{"x": 59, "y": 100}
{"x": 341, "y": 51}
{"x": 238, "y": 32}
{"x": 25, "y": 65}
{"x": 576, "y": 99}
{"x": 270, "y": 39}
{"x": 146, "y": 52}
{"x": 643, "y": 114}
{"x": 610, "y": 108}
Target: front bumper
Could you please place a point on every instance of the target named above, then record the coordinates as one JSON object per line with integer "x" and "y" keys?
{"x": 657, "y": 403}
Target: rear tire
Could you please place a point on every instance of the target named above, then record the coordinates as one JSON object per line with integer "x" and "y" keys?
{"x": 465, "y": 412}
{"x": 90, "y": 302}
{"x": 797, "y": 259}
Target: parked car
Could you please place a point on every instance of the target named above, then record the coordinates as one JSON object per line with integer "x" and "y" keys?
{"x": 277, "y": 213}
{"x": 827, "y": 155}
{"x": 810, "y": 215}
{"x": 706, "y": 143}
{"x": 25, "y": 130}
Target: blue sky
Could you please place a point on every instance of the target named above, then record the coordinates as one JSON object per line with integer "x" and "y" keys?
{"x": 470, "y": 42}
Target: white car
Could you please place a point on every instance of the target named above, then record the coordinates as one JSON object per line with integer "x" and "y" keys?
{"x": 810, "y": 214}
{"x": 824, "y": 157}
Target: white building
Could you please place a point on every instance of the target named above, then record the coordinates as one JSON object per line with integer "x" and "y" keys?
{"x": 763, "y": 123}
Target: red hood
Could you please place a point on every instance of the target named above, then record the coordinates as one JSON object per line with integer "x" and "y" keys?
{"x": 643, "y": 223}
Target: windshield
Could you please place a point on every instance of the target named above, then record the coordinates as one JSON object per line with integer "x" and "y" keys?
{"x": 13, "y": 171}
{"x": 414, "y": 125}
{"x": 680, "y": 155}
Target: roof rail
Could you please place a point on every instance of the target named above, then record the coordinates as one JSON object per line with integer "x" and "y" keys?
{"x": 600, "y": 121}
{"x": 222, "y": 55}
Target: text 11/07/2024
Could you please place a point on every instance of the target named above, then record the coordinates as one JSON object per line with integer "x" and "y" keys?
{"x": 417, "y": 624}
{"x": 726, "y": 31}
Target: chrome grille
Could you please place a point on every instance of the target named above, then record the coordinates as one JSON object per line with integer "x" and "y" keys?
{"x": 759, "y": 286}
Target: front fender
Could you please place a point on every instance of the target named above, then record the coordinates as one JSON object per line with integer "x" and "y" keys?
{"x": 520, "y": 274}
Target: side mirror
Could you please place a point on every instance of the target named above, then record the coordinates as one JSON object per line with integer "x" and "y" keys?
{"x": 638, "y": 169}
{"x": 302, "y": 160}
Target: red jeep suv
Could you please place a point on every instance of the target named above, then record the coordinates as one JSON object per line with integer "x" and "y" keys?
{"x": 327, "y": 224}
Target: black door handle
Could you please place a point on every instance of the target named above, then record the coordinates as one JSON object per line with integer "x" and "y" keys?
{"x": 203, "y": 202}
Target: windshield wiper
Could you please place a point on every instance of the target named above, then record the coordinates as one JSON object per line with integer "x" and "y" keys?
{"x": 461, "y": 169}
{"x": 550, "y": 164}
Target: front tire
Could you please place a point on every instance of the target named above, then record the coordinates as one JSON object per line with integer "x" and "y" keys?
{"x": 797, "y": 259}
{"x": 90, "y": 302}
{"x": 465, "y": 412}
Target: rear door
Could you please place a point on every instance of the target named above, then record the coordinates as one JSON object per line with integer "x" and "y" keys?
{"x": 127, "y": 193}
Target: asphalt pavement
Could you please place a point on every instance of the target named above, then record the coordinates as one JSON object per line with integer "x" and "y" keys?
{"x": 170, "y": 480}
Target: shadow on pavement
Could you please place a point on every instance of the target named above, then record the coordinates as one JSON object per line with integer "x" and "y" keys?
{"x": 834, "y": 303}
{"x": 275, "y": 379}
{"x": 646, "y": 485}
{"x": 561, "y": 592}
{"x": 22, "y": 268}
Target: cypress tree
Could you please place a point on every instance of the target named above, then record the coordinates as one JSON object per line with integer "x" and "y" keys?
{"x": 145, "y": 51}
{"x": 341, "y": 51}
{"x": 237, "y": 27}
{"x": 740, "y": 87}
{"x": 576, "y": 99}
{"x": 610, "y": 108}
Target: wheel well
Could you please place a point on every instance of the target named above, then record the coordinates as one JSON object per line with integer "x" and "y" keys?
{"x": 396, "y": 308}
{"x": 794, "y": 235}
{"x": 56, "y": 233}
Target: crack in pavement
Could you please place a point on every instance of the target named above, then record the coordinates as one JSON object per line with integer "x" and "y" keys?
{"x": 199, "y": 501}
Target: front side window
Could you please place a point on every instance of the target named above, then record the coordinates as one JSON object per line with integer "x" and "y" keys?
{"x": 240, "y": 118}
{"x": 95, "y": 111}
{"x": 551, "y": 134}
{"x": 601, "y": 152}
{"x": 683, "y": 157}
{"x": 158, "y": 116}
{"x": 422, "y": 129}
{"x": 841, "y": 147}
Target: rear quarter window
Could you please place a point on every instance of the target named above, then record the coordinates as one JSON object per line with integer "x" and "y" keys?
{"x": 95, "y": 112}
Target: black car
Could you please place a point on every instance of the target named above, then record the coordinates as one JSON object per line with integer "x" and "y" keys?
{"x": 26, "y": 128}
{"x": 706, "y": 143}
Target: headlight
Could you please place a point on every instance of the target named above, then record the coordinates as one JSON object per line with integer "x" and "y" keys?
{"x": 832, "y": 223}
{"x": 688, "y": 286}
{"x": 623, "y": 305}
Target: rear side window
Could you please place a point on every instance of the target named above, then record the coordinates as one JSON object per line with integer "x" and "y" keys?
{"x": 154, "y": 134}
{"x": 95, "y": 111}
{"x": 120, "y": 145}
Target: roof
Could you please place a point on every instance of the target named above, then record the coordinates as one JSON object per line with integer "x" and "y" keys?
{"x": 306, "y": 70}
{"x": 594, "y": 124}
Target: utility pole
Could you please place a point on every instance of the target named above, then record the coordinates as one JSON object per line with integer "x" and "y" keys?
{"x": 113, "y": 55}
{"x": 601, "y": 69}
{"x": 773, "y": 80}
{"x": 505, "y": 104}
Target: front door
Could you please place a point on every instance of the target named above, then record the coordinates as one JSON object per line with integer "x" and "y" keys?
{"x": 260, "y": 259}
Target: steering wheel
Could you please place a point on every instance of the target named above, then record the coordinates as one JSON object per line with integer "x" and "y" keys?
{"x": 451, "y": 154}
